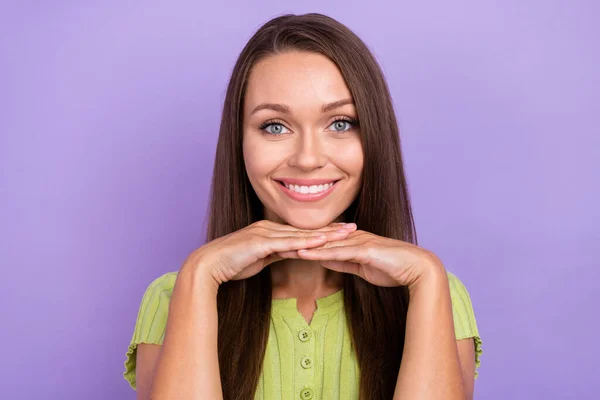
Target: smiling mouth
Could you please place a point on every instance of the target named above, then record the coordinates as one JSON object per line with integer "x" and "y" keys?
{"x": 308, "y": 189}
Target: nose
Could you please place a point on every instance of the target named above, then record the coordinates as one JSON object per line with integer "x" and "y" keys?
{"x": 308, "y": 153}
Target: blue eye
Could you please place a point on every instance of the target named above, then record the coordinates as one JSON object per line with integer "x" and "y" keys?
{"x": 274, "y": 128}
{"x": 277, "y": 128}
{"x": 342, "y": 125}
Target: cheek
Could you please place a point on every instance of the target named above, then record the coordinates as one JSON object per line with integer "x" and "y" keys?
{"x": 350, "y": 157}
{"x": 259, "y": 161}
{"x": 250, "y": 158}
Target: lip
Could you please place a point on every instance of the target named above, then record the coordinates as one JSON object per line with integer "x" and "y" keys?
{"x": 306, "y": 197}
{"x": 307, "y": 182}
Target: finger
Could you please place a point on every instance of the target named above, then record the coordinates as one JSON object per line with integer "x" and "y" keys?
{"x": 348, "y": 225}
{"x": 283, "y": 226}
{"x": 266, "y": 224}
{"x": 272, "y": 258}
{"x": 336, "y": 235}
{"x": 291, "y": 233}
{"x": 289, "y": 254}
{"x": 309, "y": 233}
{"x": 292, "y": 254}
{"x": 351, "y": 227}
{"x": 348, "y": 241}
{"x": 283, "y": 244}
{"x": 356, "y": 254}
{"x": 345, "y": 267}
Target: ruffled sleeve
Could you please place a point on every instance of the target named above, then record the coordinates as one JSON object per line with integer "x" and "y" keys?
{"x": 465, "y": 326}
{"x": 151, "y": 320}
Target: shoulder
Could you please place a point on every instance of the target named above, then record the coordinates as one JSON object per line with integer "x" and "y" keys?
{"x": 154, "y": 307}
{"x": 157, "y": 295}
{"x": 457, "y": 288}
{"x": 465, "y": 325}
{"x": 163, "y": 285}
{"x": 462, "y": 308}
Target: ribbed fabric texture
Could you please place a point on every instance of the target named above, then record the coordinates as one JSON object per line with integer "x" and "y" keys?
{"x": 151, "y": 321}
{"x": 302, "y": 361}
{"x": 316, "y": 357}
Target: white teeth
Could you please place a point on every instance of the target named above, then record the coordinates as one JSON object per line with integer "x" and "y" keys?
{"x": 309, "y": 189}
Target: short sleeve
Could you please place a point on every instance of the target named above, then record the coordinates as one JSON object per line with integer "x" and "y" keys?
{"x": 151, "y": 320}
{"x": 465, "y": 326}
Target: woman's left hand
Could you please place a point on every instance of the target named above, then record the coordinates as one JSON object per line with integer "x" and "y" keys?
{"x": 379, "y": 260}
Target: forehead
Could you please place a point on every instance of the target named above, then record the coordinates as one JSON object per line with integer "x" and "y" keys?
{"x": 298, "y": 79}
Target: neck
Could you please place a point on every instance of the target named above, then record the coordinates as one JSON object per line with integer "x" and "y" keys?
{"x": 302, "y": 279}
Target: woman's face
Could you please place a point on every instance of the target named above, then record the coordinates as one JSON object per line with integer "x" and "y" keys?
{"x": 300, "y": 137}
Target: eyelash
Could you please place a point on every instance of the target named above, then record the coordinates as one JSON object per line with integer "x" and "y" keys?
{"x": 264, "y": 125}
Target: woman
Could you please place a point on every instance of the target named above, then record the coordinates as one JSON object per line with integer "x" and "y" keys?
{"x": 302, "y": 291}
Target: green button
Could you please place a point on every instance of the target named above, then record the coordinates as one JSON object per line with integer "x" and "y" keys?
{"x": 304, "y": 335}
{"x": 306, "y": 394}
{"x": 306, "y": 362}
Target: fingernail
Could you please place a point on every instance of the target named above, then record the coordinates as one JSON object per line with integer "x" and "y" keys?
{"x": 350, "y": 225}
{"x": 342, "y": 230}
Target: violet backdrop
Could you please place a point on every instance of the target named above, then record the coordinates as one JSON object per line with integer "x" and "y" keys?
{"x": 109, "y": 115}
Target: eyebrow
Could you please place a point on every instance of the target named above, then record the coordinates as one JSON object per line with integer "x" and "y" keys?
{"x": 282, "y": 108}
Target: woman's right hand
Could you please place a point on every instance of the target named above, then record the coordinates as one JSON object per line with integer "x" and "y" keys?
{"x": 246, "y": 252}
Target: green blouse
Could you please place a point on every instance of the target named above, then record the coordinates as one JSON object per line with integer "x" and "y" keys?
{"x": 302, "y": 361}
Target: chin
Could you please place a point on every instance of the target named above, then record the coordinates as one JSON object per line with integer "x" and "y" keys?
{"x": 308, "y": 222}
{"x": 307, "y": 225}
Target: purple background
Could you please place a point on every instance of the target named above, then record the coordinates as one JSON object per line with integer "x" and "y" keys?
{"x": 109, "y": 116}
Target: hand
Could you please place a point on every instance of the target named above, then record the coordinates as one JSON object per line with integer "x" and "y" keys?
{"x": 379, "y": 260}
{"x": 246, "y": 252}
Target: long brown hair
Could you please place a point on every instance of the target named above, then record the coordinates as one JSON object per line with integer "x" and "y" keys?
{"x": 376, "y": 315}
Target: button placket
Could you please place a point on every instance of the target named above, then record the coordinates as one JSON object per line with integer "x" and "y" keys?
{"x": 305, "y": 348}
